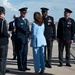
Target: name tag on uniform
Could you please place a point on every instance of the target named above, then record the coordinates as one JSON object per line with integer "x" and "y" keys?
{"x": 49, "y": 21}
{"x": 21, "y": 24}
{"x": 68, "y": 25}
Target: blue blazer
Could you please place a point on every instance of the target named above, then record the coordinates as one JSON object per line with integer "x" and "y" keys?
{"x": 37, "y": 36}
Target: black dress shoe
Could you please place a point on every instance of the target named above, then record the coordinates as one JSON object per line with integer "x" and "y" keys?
{"x": 48, "y": 66}
{"x": 68, "y": 65}
{"x": 60, "y": 65}
{"x": 7, "y": 71}
{"x": 14, "y": 58}
{"x": 27, "y": 69}
{"x": 21, "y": 69}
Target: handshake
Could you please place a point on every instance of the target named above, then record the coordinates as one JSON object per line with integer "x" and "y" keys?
{"x": 28, "y": 32}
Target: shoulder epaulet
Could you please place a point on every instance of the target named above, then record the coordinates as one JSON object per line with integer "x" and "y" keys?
{"x": 71, "y": 19}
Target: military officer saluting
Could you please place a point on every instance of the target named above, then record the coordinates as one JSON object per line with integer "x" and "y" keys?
{"x": 50, "y": 35}
{"x": 22, "y": 35}
{"x": 65, "y": 34}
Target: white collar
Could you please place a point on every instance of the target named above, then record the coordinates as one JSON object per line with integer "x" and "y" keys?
{"x": 23, "y": 18}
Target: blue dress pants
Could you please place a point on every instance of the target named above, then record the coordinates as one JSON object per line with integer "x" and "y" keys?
{"x": 22, "y": 51}
{"x": 38, "y": 55}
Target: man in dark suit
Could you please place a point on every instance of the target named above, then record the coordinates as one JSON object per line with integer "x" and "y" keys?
{"x": 22, "y": 35}
{"x": 3, "y": 41}
{"x": 12, "y": 28}
{"x": 65, "y": 34}
{"x": 50, "y": 35}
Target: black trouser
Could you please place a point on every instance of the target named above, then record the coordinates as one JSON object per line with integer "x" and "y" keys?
{"x": 3, "y": 57}
{"x": 14, "y": 49}
{"x": 61, "y": 46}
{"x": 13, "y": 38}
{"x": 48, "y": 50}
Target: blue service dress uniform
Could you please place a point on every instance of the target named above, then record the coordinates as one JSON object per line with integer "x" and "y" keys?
{"x": 22, "y": 27}
{"x": 65, "y": 33}
{"x": 37, "y": 43}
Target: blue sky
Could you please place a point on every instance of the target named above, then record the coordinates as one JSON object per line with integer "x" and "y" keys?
{"x": 56, "y": 7}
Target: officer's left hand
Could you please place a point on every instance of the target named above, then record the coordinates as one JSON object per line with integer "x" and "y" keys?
{"x": 71, "y": 41}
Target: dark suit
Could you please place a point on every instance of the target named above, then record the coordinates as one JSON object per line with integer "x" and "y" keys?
{"x": 3, "y": 45}
{"x": 13, "y": 38}
{"x": 65, "y": 33}
{"x": 50, "y": 34}
{"x": 22, "y": 27}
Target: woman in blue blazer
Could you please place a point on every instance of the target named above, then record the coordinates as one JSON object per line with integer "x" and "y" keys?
{"x": 37, "y": 43}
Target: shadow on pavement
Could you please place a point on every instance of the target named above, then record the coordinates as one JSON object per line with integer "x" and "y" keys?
{"x": 15, "y": 70}
{"x": 26, "y": 73}
{"x": 55, "y": 61}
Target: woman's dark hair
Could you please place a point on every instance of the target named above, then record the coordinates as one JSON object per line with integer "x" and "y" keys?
{"x": 38, "y": 18}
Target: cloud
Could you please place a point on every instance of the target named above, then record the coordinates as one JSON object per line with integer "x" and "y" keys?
{"x": 7, "y": 4}
{"x": 56, "y": 7}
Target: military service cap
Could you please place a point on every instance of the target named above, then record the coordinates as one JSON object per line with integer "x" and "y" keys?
{"x": 23, "y": 9}
{"x": 44, "y": 9}
{"x": 67, "y": 10}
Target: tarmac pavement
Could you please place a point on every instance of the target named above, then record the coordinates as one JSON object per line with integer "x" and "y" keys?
{"x": 55, "y": 70}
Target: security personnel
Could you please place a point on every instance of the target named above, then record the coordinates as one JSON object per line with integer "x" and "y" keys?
{"x": 3, "y": 41}
{"x": 22, "y": 34}
{"x": 65, "y": 34}
{"x": 12, "y": 29}
{"x": 50, "y": 35}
